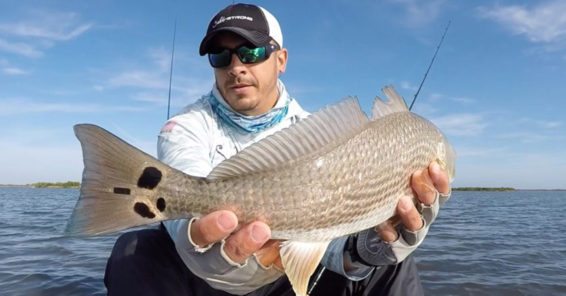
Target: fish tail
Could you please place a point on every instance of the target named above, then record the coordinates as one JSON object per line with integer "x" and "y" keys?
{"x": 120, "y": 185}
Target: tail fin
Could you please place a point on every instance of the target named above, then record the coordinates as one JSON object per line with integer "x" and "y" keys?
{"x": 119, "y": 186}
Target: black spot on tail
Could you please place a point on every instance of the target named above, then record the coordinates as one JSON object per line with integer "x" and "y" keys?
{"x": 121, "y": 190}
{"x": 150, "y": 177}
{"x": 161, "y": 204}
{"x": 143, "y": 210}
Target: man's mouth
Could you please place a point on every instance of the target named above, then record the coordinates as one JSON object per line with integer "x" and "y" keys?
{"x": 239, "y": 86}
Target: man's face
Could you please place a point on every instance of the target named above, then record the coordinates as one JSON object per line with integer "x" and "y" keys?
{"x": 250, "y": 89}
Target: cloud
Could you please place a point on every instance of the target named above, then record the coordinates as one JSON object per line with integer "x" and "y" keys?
{"x": 154, "y": 77}
{"x": 464, "y": 124}
{"x": 435, "y": 97}
{"x": 479, "y": 151}
{"x": 524, "y": 137}
{"x": 40, "y": 30}
{"x": 408, "y": 86}
{"x": 529, "y": 130}
{"x": 14, "y": 71}
{"x": 56, "y": 26}
{"x": 151, "y": 81}
{"x": 157, "y": 98}
{"x": 463, "y": 100}
{"x": 24, "y": 106}
{"x": 141, "y": 79}
{"x": 7, "y": 69}
{"x": 541, "y": 23}
{"x": 550, "y": 124}
{"x": 542, "y": 124}
{"x": 419, "y": 12}
{"x": 20, "y": 48}
{"x": 161, "y": 57}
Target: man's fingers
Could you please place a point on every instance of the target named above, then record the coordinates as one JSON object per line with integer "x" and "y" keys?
{"x": 410, "y": 216}
{"x": 240, "y": 244}
{"x": 246, "y": 241}
{"x": 387, "y": 231}
{"x": 269, "y": 254}
{"x": 423, "y": 186}
{"x": 213, "y": 227}
{"x": 439, "y": 177}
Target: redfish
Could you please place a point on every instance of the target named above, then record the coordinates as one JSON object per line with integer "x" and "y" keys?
{"x": 334, "y": 173}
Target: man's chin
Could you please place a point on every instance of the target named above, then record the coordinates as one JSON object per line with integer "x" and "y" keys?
{"x": 241, "y": 104}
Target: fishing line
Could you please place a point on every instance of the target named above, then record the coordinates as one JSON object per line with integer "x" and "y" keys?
{"x": 430, "y": 65}
{"x": 171, "y": 68}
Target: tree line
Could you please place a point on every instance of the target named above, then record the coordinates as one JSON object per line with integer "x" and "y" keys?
{"x": 68, "y": 184}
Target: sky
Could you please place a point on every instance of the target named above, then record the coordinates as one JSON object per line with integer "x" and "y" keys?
{"x": 497, "y": 88}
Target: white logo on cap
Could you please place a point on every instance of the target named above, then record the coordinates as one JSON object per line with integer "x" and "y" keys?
{"x": 234, "y": 17}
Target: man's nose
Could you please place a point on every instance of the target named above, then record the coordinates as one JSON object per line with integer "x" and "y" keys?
{"x": 236, "y": 66}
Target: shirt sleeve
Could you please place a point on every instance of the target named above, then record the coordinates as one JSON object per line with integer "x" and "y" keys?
{"x": 185, "y": 149}
{"x": 335, "y": 257}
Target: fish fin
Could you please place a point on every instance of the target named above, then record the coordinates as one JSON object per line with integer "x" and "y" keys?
{"x": 300, "y": 260}
{"x": 331, "y": 125}
{"x": 118, "y": 187}
{"x": 394, "y": 103}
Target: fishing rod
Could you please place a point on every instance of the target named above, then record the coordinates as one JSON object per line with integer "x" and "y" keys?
{"x": 430, "y": 65}
{"x": 171, "y": 68}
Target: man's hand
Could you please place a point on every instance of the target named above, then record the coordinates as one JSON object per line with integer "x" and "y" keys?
{"x": 240, "y": 243}
{"x": 425, "y": 183}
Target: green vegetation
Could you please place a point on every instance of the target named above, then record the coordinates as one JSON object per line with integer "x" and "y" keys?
{"x": 68, "y": 184}
{"x": 483, "y": 189}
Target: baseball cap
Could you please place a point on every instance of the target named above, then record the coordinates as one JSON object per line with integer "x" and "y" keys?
{"x": 253, "y": 23}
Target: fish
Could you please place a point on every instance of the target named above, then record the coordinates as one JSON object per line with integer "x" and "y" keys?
{"x": 334, "y": 173}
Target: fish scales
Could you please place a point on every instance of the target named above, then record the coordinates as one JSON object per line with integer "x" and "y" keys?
{"x": 316, "y": 197}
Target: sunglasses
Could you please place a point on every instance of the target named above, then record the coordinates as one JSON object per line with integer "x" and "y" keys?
{"x": 223, "y": 57}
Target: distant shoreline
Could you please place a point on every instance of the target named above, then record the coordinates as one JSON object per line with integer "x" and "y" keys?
{"x": 483, "y": 189}
{"x": 56, "y": 185}
{"x": 500, "y": 189}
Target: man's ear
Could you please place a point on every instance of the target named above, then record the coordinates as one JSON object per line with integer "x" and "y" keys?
{"x": 282, "y": 60}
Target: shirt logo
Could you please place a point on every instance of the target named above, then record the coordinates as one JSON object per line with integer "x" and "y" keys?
{"x": 168, "y": 127}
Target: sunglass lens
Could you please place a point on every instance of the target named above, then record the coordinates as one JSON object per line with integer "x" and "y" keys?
{"x": 251, "y": 55}
{"x": 220, "y": 59}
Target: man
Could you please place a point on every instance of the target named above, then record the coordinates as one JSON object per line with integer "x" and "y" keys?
{"x": 214, "y": 254}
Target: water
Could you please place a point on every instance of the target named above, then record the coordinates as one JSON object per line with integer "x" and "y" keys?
{"x": 494, "y": 243}
{"x": 497, "y": 243}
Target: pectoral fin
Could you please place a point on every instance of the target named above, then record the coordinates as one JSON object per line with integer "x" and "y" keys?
{"x": 300, "y": 260}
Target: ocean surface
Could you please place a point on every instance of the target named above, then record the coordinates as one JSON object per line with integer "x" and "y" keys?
{"x": 483, "y": 243}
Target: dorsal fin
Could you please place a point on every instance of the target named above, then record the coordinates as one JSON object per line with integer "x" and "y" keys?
{"x": 394, "y": 103}
{"x": 330, "y": 125}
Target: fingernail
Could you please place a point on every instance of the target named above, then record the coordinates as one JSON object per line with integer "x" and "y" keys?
{"x": 227, "y": 221}
{"x": 259, "y": 234}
